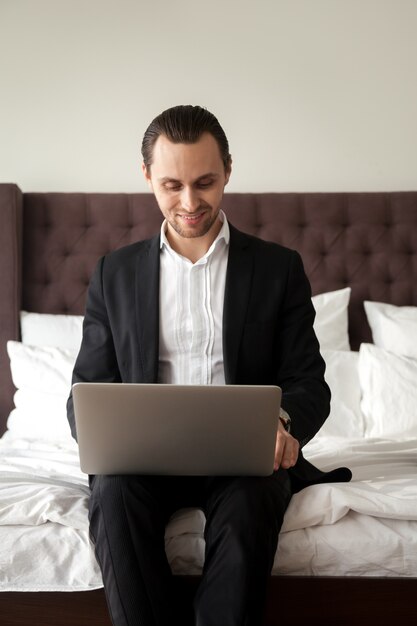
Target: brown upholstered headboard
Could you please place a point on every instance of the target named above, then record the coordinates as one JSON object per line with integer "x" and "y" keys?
{"x": 50, "y": 242}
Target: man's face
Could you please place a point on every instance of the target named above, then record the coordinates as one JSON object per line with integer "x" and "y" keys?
{"x": 188, "y": 181}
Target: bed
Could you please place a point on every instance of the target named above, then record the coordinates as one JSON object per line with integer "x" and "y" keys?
{"x": 347, "y": 553}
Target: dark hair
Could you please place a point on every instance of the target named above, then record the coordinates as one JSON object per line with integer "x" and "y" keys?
{"x": 184, "y": 124}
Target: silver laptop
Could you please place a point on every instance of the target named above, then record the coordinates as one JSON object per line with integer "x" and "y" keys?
{"x": 201, "y": 430}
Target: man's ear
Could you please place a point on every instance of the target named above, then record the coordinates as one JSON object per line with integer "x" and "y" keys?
{"x": 228, "y": 170}
{"x": 147, "y": 175}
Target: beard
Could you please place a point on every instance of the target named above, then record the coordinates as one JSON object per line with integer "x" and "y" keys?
{"x": 195, "y": 230}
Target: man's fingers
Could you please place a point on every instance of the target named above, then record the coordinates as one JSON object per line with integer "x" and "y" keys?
{"x": 286, "y": 450}
{"x": 279, "y": 449}
{"x": 289, "y": 458}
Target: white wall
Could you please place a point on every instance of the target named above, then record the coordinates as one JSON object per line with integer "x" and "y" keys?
{"x": 314, "y": 95}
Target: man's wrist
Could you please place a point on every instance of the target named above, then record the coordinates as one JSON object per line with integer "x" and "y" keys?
{"x": 285, "y": 419}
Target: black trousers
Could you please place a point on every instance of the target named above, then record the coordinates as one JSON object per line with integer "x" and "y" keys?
{"x": 128, "y": 515}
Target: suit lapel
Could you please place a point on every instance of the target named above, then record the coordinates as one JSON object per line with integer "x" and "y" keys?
{"x": 147, "y": 307}
{"x": 236, "y": 298}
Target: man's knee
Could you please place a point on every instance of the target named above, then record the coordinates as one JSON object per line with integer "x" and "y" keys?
{"x": 106, "y": 489}
{"x": 254, "y": 496}
{"x": 126, "y": 501}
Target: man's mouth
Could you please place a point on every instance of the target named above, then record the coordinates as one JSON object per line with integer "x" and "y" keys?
{"x": 192, "y": 219}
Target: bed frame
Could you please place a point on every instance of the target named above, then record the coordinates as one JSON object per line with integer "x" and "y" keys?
{"x": 49, "y": 244}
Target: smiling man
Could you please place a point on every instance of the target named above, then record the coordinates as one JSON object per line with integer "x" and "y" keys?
{"x": 215, "y": 306}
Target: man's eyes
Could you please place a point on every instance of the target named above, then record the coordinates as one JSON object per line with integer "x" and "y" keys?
{"x": 202, "y": 184}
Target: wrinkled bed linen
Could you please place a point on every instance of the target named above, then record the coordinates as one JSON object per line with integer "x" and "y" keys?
{"x": 364, "y": 528}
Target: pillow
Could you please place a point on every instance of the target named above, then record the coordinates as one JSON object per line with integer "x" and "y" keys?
{"x": 42, "y": 377}
{"x": 44, "y": 329}
{"x": 345, "y": 419}
{"x": 394, "y": 328}
{"x": 389, "y": 393}
{"x": 331, "y": 323}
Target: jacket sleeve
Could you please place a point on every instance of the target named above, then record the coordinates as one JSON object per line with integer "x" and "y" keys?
{"x": 96, "y": 361}
{"x": 306, "y": 396}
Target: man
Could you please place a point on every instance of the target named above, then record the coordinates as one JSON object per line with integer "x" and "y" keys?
{"x": 200, "y": 303}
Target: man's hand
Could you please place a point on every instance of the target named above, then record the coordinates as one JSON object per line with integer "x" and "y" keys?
{"x": 286, "y": 449}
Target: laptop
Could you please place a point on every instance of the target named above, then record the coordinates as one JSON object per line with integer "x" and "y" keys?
{"x": 159, "y": 429}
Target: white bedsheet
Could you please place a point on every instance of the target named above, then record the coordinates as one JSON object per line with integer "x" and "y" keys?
{"x": 367, "y": 527}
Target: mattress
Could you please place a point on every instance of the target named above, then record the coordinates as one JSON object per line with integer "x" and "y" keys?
{"x": 364, "y": 528}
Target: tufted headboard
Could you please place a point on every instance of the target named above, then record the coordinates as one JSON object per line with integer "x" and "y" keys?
{"x": 50, "y": 242}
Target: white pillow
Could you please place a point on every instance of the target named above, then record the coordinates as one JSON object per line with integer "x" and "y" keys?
{"x": 394, "y": 328}
{"x": 44, "y": 329}
{"x": 331, "y": 323}
{"x": 345, "y": 419}
{"x": 389, "y": 393}
{"x": 42, "y": 377}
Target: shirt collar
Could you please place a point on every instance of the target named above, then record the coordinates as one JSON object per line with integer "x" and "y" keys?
{"x": 224, "y": 234}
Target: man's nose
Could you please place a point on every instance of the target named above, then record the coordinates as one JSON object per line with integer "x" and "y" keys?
{"x": 189, "y": 199}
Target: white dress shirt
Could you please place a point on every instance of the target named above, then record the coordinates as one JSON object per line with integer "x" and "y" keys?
{"x": 191, "y": 297}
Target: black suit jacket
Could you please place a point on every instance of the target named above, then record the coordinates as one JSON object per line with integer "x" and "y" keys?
{"x": 268, "y": 335}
